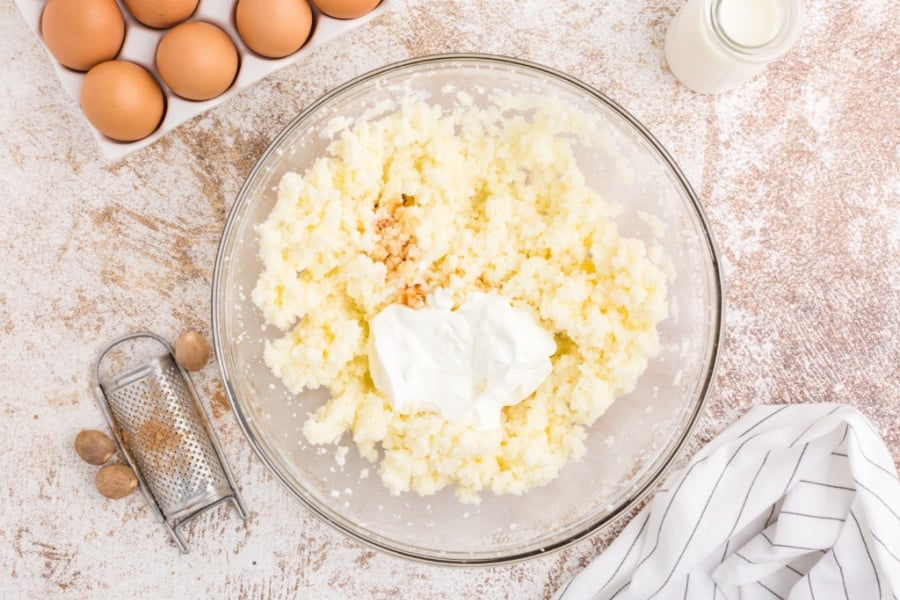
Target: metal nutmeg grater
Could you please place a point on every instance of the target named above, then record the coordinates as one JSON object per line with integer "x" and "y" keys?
{"x": 164, "y": 434}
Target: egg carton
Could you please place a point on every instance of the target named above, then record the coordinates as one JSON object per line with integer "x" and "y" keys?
{"x": 140, "y": 47}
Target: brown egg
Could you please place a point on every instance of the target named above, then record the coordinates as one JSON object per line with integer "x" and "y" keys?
{"x": 197, "y": 60}
{"x": 346, "y": 9}
{"x": 161, "y": 13}
{"x": 273, "y": 28}
{"x": 82, "y": 33}
{"x": 122, "y": 100}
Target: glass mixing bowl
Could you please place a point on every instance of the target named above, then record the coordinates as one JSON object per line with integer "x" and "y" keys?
{"x": 628, "y": 449}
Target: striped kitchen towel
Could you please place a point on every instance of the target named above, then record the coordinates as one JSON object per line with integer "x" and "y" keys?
{"x": 794, "y": 502}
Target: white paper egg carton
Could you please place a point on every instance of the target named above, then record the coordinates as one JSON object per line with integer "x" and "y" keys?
{"x": 140, "y": 47}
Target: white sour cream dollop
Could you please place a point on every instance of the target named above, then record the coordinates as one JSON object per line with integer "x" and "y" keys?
{"x": 465, "y": 364}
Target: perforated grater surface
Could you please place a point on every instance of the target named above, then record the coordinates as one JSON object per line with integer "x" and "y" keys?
{"x": 163, "y": 433}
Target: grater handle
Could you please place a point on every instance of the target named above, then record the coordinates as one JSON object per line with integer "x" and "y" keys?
{"x": 125, "y": 338}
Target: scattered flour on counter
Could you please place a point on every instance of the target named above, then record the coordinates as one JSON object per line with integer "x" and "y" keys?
{"x": 469, "y": 200}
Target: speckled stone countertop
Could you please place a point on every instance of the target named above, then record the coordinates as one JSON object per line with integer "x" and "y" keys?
{"x": 797, "y": 172}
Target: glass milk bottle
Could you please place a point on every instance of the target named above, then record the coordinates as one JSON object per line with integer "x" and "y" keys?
{"x": 713, "y": 46}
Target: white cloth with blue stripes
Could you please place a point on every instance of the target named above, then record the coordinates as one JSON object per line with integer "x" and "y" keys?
{"x": 794, "y": 501}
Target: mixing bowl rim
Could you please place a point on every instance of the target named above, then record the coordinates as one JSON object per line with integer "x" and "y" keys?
{"x": 437, "y": 558}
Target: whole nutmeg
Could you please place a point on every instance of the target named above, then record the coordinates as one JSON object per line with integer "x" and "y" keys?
{"x": 191, "y": 351}
{"x": 94, "y": 446}
{"x": 116, "y": 481}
